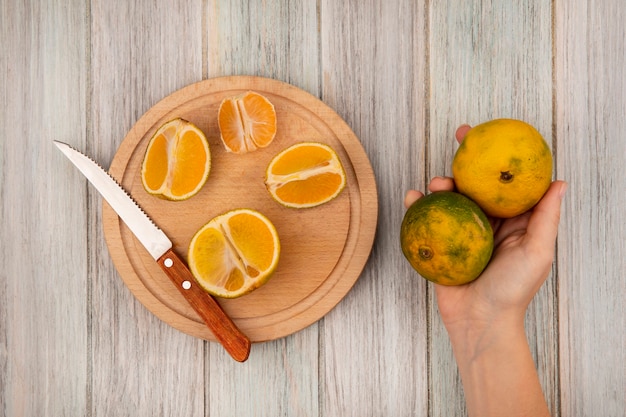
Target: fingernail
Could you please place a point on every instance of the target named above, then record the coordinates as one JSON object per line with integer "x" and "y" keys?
{"x": 563, "y": 190}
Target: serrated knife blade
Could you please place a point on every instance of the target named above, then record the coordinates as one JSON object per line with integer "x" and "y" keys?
{"x": 159, "y": 246}
{"x": 149, "y": 234}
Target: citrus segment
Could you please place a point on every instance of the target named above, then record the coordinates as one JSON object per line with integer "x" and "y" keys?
{"x": 246, "y": 122}
{"x": 446, "y": 238}
{"x": 177, "y": 161}
{"x": 234, "y": 253}
{"x": 504, "y": 165}
{"x": 306, "y": 174}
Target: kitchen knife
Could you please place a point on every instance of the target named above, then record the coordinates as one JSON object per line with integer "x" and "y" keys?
{"x": 160, "y": 248}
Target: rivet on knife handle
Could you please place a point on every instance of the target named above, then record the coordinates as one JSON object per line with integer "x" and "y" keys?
{"x": 235, "y": 342}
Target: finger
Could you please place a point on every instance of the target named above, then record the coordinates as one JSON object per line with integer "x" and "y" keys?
{"x": 544, "y": 220}
{"x": 461, "y": 131}
{"x": 441, "y": 184}
{"x": 411, "y": 197}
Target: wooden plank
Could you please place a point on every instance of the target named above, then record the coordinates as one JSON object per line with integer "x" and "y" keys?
{"x": 590, "y": 124}
{"x": 43, "y": 325}
{"x": 140, "y": 365}
{"x": 277, "y": 40}
{"x": 489, "y": 60}
{"x": 375, "y": 342}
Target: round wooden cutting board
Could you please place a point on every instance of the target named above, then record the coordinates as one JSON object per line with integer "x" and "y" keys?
{"x": 323, "y": 249}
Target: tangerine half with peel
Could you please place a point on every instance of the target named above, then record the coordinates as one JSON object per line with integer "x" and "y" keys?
{"x": 234, "y": 253}
{"x": 306, "y": 174}
{"x": 246, "y": 122}
{"x": 504, "y": 165}
{"x": 446, "y": 238}
{"x": 177, "y": 161}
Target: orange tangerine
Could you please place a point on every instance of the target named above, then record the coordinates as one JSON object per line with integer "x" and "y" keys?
{"x": 177, "y": 161}
{"x": 234, "y": 253}
{"x": 504, "y": 165}
{"x": 306, "y": 174}
{"x": 446, "y": 238}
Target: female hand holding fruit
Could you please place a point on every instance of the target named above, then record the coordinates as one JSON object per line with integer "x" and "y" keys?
{"x": 485, "y": 317}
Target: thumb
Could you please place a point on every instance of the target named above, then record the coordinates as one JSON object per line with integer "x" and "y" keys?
{"x": 544, "y": 220}
{"x": 461, "y": 131}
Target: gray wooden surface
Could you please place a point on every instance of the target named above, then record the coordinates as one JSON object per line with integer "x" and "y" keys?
{"x": 403, "y": 74}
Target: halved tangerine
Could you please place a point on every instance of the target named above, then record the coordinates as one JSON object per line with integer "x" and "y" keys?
{"x": 234, "y": 253}
{"x": 306, "y": 174}
{"x": 177, "y": 161}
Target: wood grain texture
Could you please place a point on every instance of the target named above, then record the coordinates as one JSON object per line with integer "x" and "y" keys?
{"x": 375, "y": 341}
{"x": 139, "y": 54}
{"x": 590, "y": 124}
{"x": 43, "y": 326}
{"x": 489, "y": 60}
{"x": 275, "y": 39}
{"x": 403, "y": 74}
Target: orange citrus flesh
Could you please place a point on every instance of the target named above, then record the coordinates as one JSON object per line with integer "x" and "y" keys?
{"x": 446, "y": 238}
{"x": 234, "y": 253}
{"x": 306, "y": 174}
{"x": 177, "y": 161}
{"x": 504, "y": 165}
{"x": 246, "y": 122}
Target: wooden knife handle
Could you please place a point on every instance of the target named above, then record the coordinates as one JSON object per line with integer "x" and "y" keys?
{"x": 225, "y": 331}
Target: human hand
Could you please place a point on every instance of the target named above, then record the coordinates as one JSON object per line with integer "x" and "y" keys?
{"x": 485, "y": 318}
{"x": 521, "y": 261}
